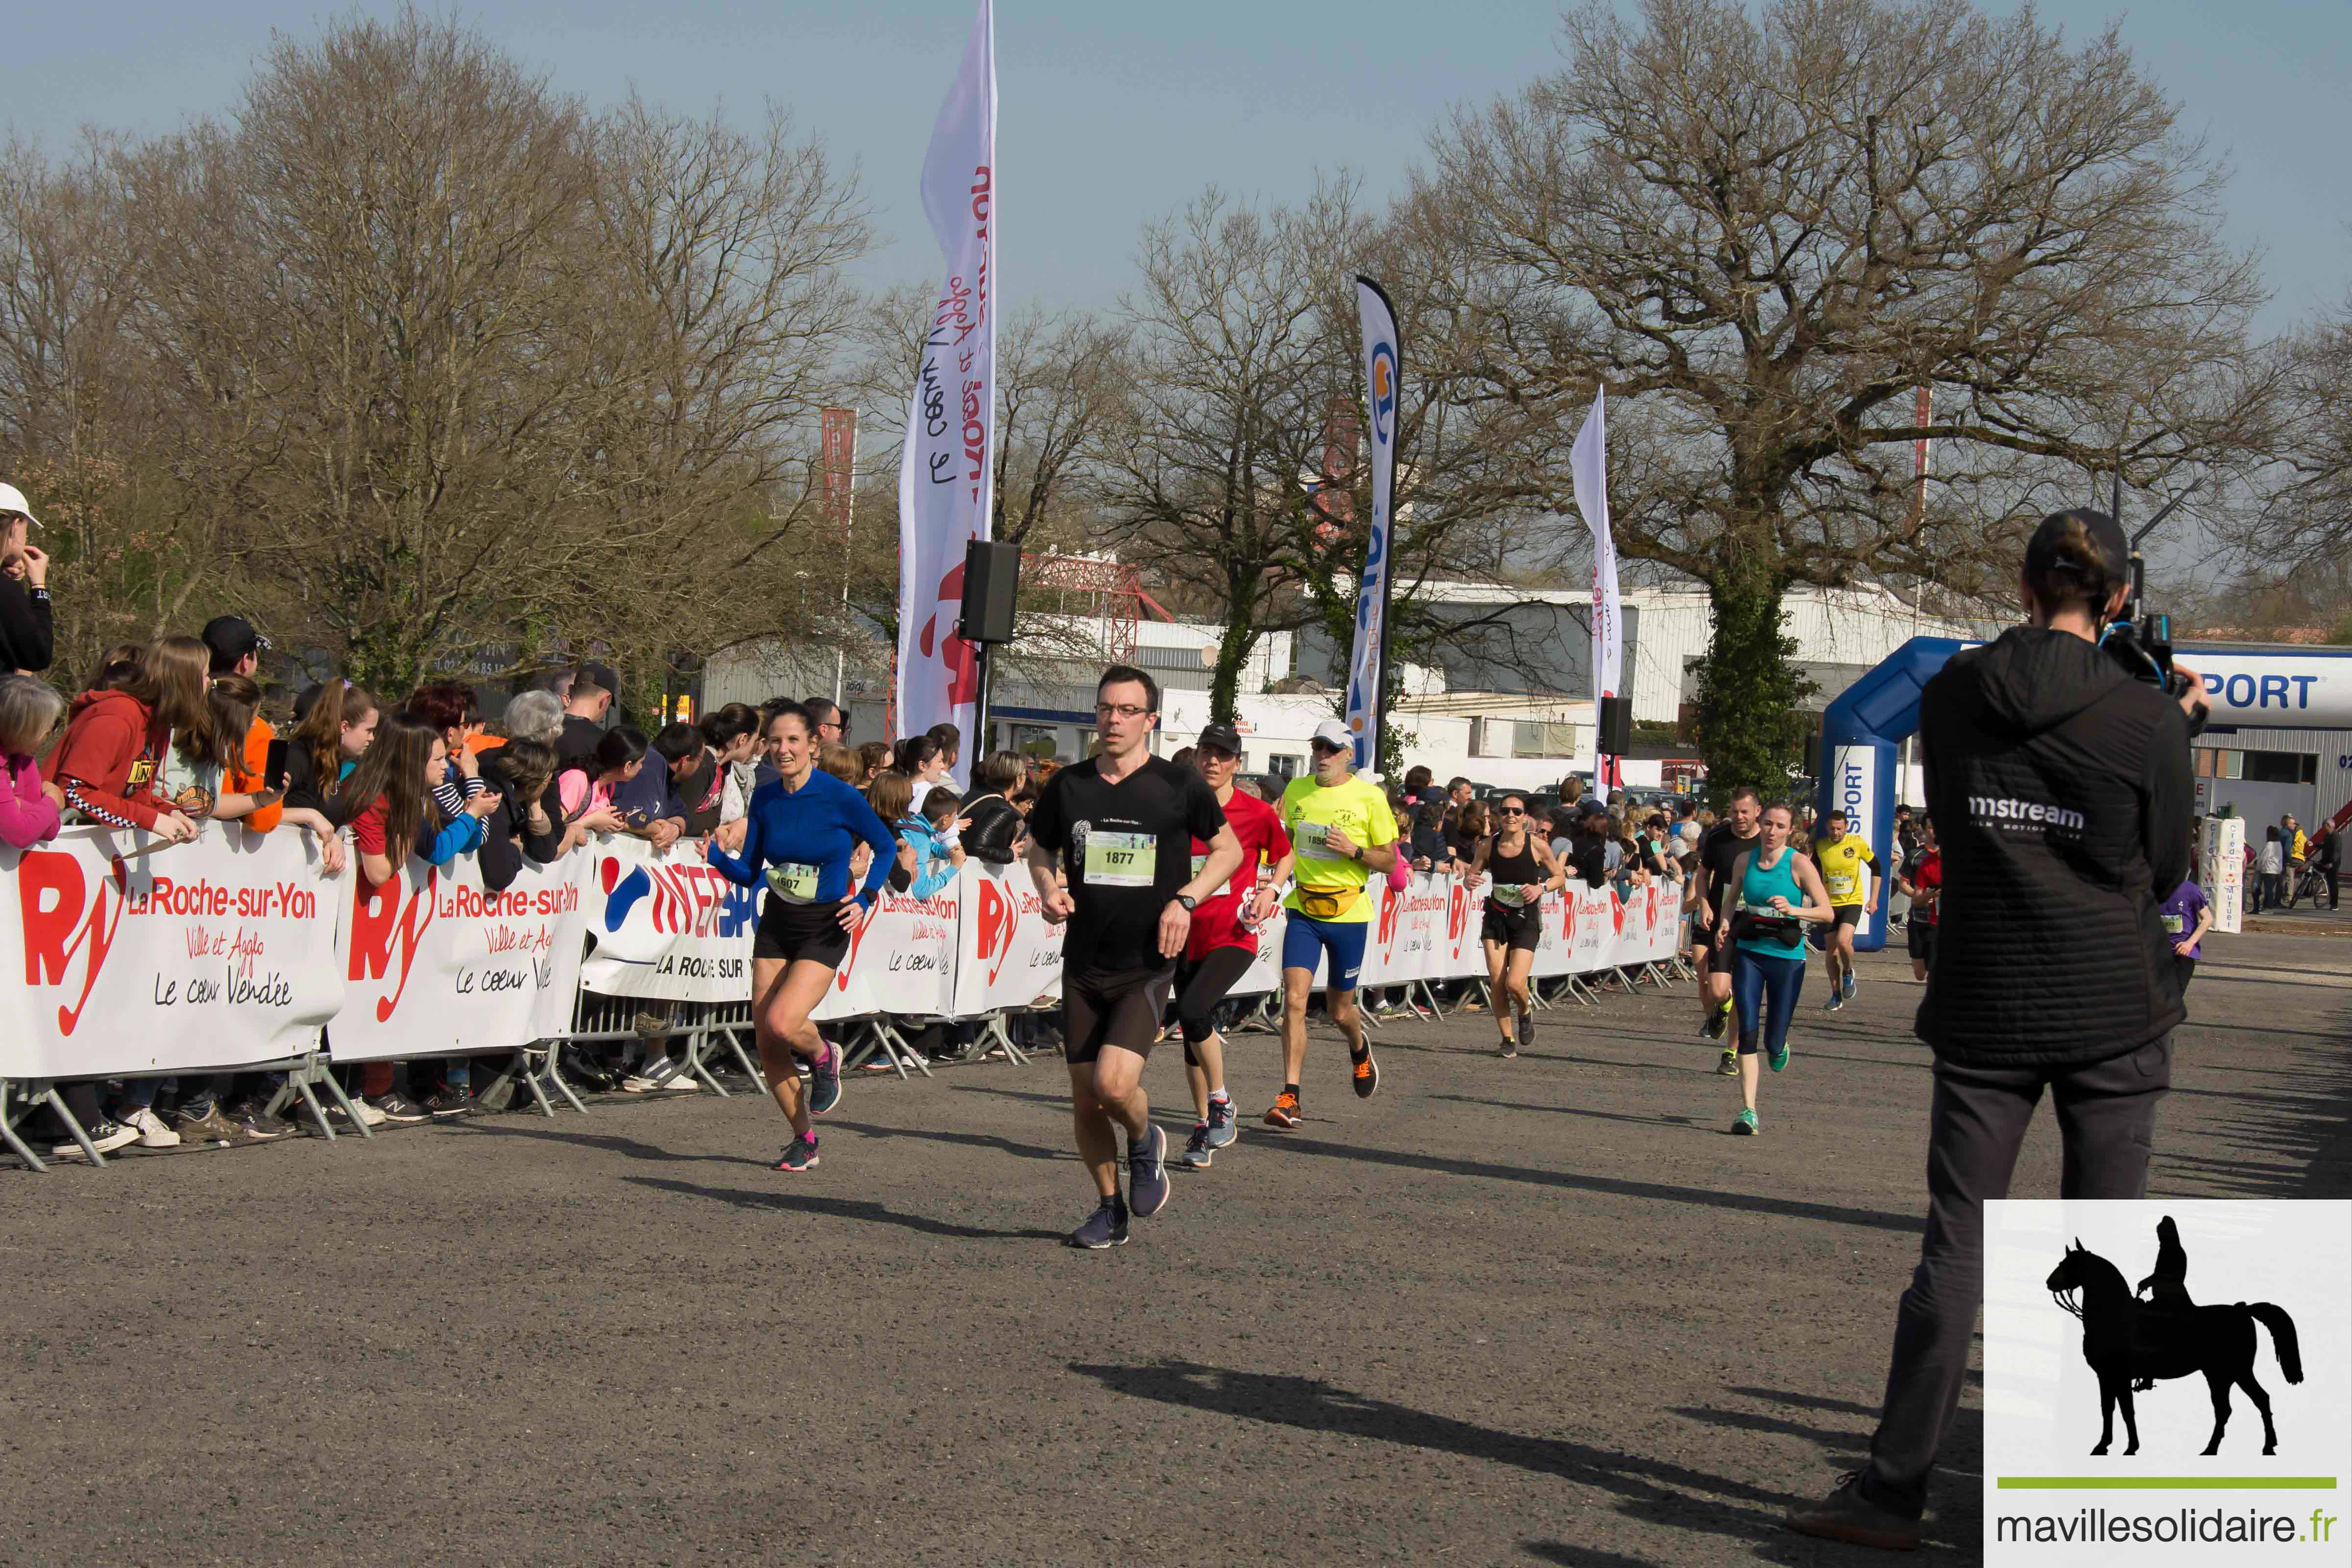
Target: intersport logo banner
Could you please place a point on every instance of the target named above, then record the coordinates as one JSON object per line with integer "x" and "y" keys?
{"x": 432, "y": 963}
{"x": 665, "y": 924}
{"x": 124, "y": 955}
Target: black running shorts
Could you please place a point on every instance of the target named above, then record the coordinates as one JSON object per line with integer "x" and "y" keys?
{"x": 801, "y": 932}
{"x": 1519, "y": 929}
{"x": 1920, "y": 938}
{"x": 1847, "y": 915}
{"x": 1112, "y": 1007}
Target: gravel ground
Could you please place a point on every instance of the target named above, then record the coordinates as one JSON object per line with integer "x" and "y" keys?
{"x": 1542, "y": 1309}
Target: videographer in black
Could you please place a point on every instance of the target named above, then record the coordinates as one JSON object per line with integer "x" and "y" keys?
{"x": 2060, "y": 788}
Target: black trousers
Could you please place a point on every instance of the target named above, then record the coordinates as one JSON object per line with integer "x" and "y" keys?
{"x": 2106, "y": 1113}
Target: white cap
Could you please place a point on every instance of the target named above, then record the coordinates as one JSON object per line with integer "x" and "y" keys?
{"x": 13, "y": 500}
{"x": 1335, "y": 733}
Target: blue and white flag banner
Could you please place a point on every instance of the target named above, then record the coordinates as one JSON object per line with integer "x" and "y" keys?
{"x": 1383, "y": 386}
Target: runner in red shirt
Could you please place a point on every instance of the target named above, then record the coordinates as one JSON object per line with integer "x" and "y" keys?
{"x": 1224, "y": 938}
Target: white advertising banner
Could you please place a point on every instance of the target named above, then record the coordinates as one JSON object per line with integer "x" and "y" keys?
{"x": 947, "y": 462}
{"x": 901, "y": 960}
{"x": 1007, "y": 955}
{"x": 666, "y": 925}
{"x": 2221, "y": 870}
{"x": 1589, "y": 468}
{"x": 434, "y": 964}
{"x": 126, "y": 955}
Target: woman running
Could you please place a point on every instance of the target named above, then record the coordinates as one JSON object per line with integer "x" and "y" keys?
{"x": 1774, "y": 890}
{"x": 1524, "y": 869}
{"x": 804, "y": 824}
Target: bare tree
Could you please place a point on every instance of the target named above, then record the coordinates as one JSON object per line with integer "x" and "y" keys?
{"x": 1764, "y": 232}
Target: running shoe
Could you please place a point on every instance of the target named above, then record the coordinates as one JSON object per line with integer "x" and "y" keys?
{"x": 824, "y": 1080}
{"x": 1198, "y": 1153}
{"x": 800, "y": 1154}
{"x": 1717, "y": 1023}
{"x": 1510, "y": 1047}
{"x": 1850, "y": 984}
{"x": 1776, "y": 1056}
{"x": 1836, "y": 1001}
{"x": 1285, "y": 1112}
{"x": 1527, "y": 1021}
{"x": 1146, "y": 1174}
{"x": 1107, "y": 1226}
{"x": 1744, "y": 1124}
{"x": 1222, "y": 1129}
{"x": 1728, "y": 1066}
{"x": 1367, "y": 1073}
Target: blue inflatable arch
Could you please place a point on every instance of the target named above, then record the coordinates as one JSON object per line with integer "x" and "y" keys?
{"x": 2270, "y": 688}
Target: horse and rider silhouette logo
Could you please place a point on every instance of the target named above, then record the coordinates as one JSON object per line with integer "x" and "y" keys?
{"x": 2132, "y": 1343}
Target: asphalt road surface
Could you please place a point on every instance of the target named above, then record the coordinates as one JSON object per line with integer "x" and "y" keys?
{"x": 1537, "y": 1310}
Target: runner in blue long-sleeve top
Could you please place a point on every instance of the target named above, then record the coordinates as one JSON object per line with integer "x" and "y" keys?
{"x": 801, "y": 832}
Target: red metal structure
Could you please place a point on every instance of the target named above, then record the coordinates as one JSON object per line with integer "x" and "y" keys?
{"x": 1113, "y": 581}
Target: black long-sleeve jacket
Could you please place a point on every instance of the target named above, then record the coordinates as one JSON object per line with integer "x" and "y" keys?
{"x": 25, "y": 638}
{"x": 2061, "y": 793}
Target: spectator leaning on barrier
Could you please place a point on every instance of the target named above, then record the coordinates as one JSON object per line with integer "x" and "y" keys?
{"x": 333, "y": 724}
{"x": 891, "y": 796}
{"x": 109, "y": 765}
{"x": 994, "y": 836}
{"x": 697, "y": 780}
{"x": 30, "y": 710}
{"x": 26, "y": 641}
{"x": 2060, "y": 789}
{"x": 586, "y": 707}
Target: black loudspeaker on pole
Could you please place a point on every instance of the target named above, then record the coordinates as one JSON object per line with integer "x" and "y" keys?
{"x": 991, "y": 581}
{"x": 1616, "y": 726}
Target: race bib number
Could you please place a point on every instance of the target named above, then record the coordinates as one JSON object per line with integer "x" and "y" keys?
{"x": 1200, "y": 864}
{"x": 2175, "y": 924}
{"x": 792, "y": 883}
{"x": 1120, "y": 859}
{"x": 1841, "y": 884}
{"x": 1513, "y": 893}
{"x": 1313, "y": 841}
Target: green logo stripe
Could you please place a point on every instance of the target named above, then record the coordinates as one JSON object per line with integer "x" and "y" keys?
{"x": 2165, "y": 1483}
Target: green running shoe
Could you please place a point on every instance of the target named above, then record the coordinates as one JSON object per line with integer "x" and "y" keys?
{"x": 1744, "y": 1124}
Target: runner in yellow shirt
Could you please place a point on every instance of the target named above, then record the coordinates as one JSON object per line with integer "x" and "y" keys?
{"x": 1841, "y": 856}
{"x": 1342, "y": 832}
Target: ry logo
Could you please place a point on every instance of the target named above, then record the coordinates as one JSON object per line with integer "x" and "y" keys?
{"x": 1390, "y": 907}
{"x": 379, "y": 923}
{"x": 856, "y": 940}
{"x": 963, "y": 668}
{"x": 1000, "y": 916}
{"x": 51, "y": 891}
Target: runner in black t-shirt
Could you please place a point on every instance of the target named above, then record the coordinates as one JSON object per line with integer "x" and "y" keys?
{"x": 1719, "y": 849}
{"x": 1124, "y": 823}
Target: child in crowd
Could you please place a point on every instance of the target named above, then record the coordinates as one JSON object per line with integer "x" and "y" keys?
{"x": 28, "y": 711}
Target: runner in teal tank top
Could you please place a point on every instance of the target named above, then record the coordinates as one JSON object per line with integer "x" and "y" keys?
{"x": 1775, "y": 890}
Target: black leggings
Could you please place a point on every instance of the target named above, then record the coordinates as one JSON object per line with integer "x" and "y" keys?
{"x": 1199, "y": 986}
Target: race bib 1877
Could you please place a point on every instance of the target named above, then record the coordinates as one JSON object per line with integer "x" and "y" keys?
{"x": 1120, "y": 859}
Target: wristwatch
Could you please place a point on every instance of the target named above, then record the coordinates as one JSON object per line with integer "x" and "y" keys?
{"x": 1189, "y": 902}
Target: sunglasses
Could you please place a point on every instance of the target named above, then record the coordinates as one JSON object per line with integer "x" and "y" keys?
{"x": 1515, "y": 811}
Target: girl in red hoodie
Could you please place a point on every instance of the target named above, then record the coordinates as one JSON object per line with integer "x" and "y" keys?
{"x": 110, "y": 764}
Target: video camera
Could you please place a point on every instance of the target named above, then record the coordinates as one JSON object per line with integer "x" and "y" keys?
{"x": 2140, "y": 639}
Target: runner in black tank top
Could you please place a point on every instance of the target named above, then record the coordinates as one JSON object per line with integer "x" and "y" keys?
{"x": 1522, "y": 872}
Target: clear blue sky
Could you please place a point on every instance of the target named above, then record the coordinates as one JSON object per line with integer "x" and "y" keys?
{"x": 1116, "y": 112}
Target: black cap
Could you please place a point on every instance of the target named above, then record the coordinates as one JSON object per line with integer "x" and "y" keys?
{"x": 1223, "y": 736}
{"x": 231, "y": 638}
{"x": 602, "y": 674}
{"x": 2106, "y": 533}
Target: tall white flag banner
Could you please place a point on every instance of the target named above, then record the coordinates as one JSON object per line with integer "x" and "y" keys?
{"x": 1366, "y": 663}
{"x": 1589, "y": 461}
{"x": 949, "y": 456}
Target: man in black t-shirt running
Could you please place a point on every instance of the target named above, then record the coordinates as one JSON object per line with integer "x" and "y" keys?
{"x": 1719, "y": 848}
{"x": 1123, "y": 822}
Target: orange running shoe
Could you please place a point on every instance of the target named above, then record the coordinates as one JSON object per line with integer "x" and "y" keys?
{"x": 1285, "y": 1112}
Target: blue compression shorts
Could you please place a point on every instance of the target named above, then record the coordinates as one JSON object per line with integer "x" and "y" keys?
{"x": 1303, "y": 940}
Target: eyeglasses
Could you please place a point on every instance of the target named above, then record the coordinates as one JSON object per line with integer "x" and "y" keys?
{"x": 1119, "y": 711}
{"x": 1515, "y": 811}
